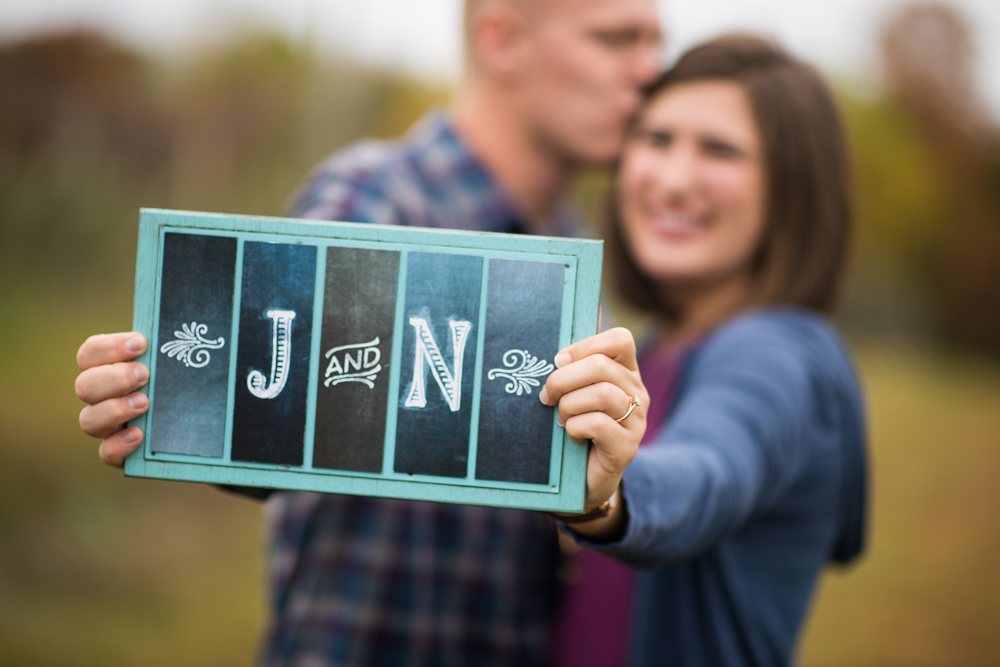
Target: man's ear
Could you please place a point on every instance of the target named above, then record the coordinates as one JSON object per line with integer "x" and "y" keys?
{"x": 499, "y": 42}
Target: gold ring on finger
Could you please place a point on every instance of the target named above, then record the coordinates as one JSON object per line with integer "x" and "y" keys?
{"x": 632, "y": 402}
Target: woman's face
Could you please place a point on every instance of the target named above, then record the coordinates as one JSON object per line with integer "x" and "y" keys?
{"x": 691, "y": 185}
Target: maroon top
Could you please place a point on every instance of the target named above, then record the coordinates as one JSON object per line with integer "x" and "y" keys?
{"x": 593, "y": 625}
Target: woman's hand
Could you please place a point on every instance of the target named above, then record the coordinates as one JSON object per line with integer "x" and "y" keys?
{"x": 109, "y": 386}
{"x": 593, "y": 384}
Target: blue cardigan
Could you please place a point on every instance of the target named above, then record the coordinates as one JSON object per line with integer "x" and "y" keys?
{"x": 754, "y": 482}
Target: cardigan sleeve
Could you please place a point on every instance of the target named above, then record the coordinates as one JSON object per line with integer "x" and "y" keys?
{"x": 739, "y": 436}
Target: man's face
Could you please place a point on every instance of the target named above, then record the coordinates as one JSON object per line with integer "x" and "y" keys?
{"x": 588, "y": 59}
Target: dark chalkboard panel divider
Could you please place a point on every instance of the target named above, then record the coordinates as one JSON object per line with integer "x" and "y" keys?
{"x": 477, "y": 385}
{"x": 234, "y": 336}
{"x": 389, "y": 449}
{"x": 155, "y": 256}
{"x": 314, "y": 358}
{"x": 571, "y": 284}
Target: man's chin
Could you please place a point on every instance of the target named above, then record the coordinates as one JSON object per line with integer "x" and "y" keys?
{"x": 591, "y": 149}
{"x": 602, "y": 149}
{"x": 598, "y": 156}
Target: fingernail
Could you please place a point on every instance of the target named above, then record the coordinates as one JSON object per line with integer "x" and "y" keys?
{"x": 560, "y": 422}
{"x": 131, "y": 436}
{"x": 141, "y": 373}
{"x": 134, "y": 344}
{"x": 562, "y": 359}
{"x": 137, "y": 401}
{"x": 543, "y": 395}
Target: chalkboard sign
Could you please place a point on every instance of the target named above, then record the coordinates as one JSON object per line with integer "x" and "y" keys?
{"x": 360, "y": 359}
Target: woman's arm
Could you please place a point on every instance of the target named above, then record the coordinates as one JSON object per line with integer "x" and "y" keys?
{"x": 743, "y": 432}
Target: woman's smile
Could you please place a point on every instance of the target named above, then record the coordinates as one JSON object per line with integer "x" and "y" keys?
{"x": 675, "y": 224}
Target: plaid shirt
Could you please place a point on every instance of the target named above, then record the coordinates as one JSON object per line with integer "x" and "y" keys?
{"x": 374, "y": 581}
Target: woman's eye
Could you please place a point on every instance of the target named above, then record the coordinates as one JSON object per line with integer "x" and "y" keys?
{"x": 657, "y": 139}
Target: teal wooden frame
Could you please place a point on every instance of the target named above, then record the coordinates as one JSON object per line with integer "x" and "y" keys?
{"x": 566, "y": 488}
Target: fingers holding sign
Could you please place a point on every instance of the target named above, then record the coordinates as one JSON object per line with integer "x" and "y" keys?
{"x": 596, "y": 385}
{"x": 109, "y": 384}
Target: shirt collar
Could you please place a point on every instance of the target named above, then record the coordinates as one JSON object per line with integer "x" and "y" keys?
{"x": 445, "y": 155}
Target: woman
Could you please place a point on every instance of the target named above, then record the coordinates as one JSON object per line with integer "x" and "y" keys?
{"x": 731, "y": 225}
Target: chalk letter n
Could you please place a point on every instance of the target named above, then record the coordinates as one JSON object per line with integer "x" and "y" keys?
{"x": 449, "y": 381}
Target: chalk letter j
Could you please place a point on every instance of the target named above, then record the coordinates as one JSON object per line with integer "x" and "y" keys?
{"x": 281, "y": 352}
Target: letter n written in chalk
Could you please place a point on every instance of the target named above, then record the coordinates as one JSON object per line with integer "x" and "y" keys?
{"x": 427, "y": 351}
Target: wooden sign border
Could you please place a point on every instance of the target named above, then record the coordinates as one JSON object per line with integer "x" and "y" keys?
{"x": 583, "y": 258}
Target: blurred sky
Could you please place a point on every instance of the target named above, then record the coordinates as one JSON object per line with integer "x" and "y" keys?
{"x": 422, "y": 35}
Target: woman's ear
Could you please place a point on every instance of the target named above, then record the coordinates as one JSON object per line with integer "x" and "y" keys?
{"x": 499, "y": 43}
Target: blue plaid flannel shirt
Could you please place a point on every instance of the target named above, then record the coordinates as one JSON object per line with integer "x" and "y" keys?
{"x": 374, "y": 581}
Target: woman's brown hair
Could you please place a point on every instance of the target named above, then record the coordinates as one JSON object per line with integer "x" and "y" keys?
{"x": 803, "y": 251}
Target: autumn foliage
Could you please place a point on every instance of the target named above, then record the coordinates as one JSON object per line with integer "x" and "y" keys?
{"x": 90, "y": 131}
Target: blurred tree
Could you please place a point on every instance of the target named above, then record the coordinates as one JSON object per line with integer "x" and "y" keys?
{"x": 902, "y": 203}
{"x": 902, "y": 209}
{"x": 79, "y": 129}
{"x": 75, "y": 80}
{"x": 929, "y": 61}
{"x": 90, "y": 131}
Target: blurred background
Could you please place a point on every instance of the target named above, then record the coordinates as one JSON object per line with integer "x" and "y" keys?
{"x": 224, "y": 105}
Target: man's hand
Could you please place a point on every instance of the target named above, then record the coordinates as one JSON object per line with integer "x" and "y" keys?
{"x": 595, "y": 379}
{"x": 108, "y": 386}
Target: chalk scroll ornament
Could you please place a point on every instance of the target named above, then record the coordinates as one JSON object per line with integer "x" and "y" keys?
{"x": 521, "y": 368}
{"x": 281, "y": 353}
{"x": 190, "y": 345}
{"x": 366, "y": 365}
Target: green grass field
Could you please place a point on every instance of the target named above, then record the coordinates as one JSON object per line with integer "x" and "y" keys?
{"x": 928, "y": 591}
{"x": 96, "y": 569}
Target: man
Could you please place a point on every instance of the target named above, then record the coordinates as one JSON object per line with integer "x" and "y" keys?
{"x": 550, "y": 86}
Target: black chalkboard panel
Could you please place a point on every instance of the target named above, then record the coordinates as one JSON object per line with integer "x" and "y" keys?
{"x": 523, "y": 306}
{"x": 359, "y": 306}
{"x": 196, "y": 316}
{"x": 441, "y": 319}
{"x": 272, "y": 361}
